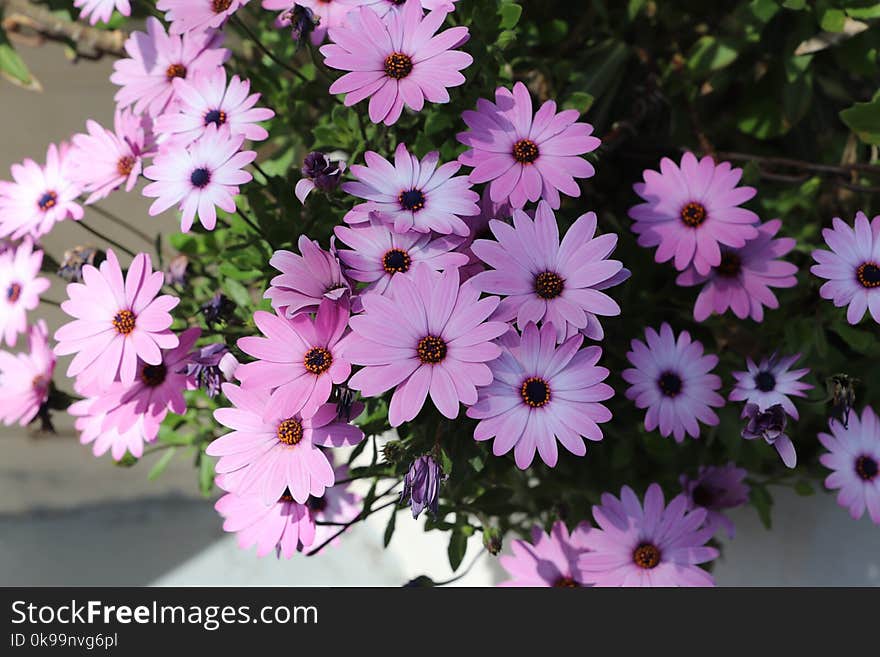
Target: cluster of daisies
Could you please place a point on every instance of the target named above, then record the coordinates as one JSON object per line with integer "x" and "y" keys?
{"x": 448, "y": 301}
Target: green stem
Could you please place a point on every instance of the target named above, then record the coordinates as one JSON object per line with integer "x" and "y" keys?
{"x": 462, "y": 573}
{"x": 51, "y": 302}
{"x": 118, "y": 220}
{"x": 240, "y": 24}
{"x": 113, "y": 242}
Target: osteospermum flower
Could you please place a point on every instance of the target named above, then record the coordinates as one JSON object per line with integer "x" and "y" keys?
{"x": 40, "y": 196}
{"x": 549, "y": 560}
{"x": 396, "y": 62}
{"x": 117, "y": 320}
{"x": 426, "y": 335}
{"x": 526, "y": 157}
{"x": 207, "y": 100}
{"x": 199, "y": 178}
{"x": 771, "y": 382}
{"x": 654, "y": 545}
{"x": 742, "y": 280}
{"x": 25, "y": 378}
{"x": 20, "y": 288}
{"x": 300, "y": 358}
{"x": 413, "y": 194}
{"x": 305, "y": 280}
{"x": 378, "y": 253}
{"x": 92, "y": 432}
{"x": 198, "y": 15}
{"x": 717, "y": 488}
{"x": 101, "y": 10}
{"x": 383, "y": 7}
{"x": 327, "y": 13}
{"x": 544, "y": 281}
{"x": 672, "y": 379}
{"x": 542, "y": 393}
{"x": 155, "y": 59}
{"x": 338, "y": 504}
{"x": 852, "y": 267}
{"x": 854, "y": 456}
{"x": 692, "y": 210}
{"x": 104, "y": 160}
{"x": 278, "y": 451}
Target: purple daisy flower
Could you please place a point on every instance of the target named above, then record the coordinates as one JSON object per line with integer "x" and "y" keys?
{"x": 305, "y": 280}
{"x": 396, "y": 62}
{"x": 327, "y": 14}
{"x": 771, "y": 383}
{"x": 852, "y": 267}
{"x": 717, "y": 488}
{"x": 742, "y": 280}
{"x": 101, "y": 10}
{"x": 543, "y": 280}
{"x": 199, "y": 178}
{"x": 40, "y": 196}
{"x": 672, "y": 379}
{"x": 426, "y": 334}
{"x": 526, "y": 156}
{"x": 20, "y": 288}
{"x": 338, "y": 504}
{"x": 413, "y": 194}
{"x": 156, "y": 58}
{"x": 378, "y": 253}
{"x": 198, "y": 15}
{"x": 690, "y": 211}
{"x": 854, "y": 456}
{"x": 550, "y": 560}
{"x": 654, "y": 545}
{"x": 26, "y": 377}
{"x": 769, "y": 426}
{"x": 542, "y": 393}
{"x": 383, "y": 7}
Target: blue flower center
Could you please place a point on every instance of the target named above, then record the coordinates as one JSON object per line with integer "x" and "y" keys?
{"x": 154, "y": 375}
{"x": 670, "y": 384}
{"x": 866, "y": 468}
{"x": 412, "y": 200}
{"x": 868, "y": 275}
{"x": 200, "y": 177}
{"x": 765, "y": 381}
{"x": 217, "y": 117}
{"x": 13, "y": 292}
{"x": 48, "y": 201}
{"x": 535, "y": 392}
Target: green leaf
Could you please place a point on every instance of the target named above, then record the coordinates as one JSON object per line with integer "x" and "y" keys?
{"x": 832, "y": 19}
{"x": 579, "y": 100}
{"x": 457, "y": 547}
{"x": 864, "y": 120}
{"x": 389, "y": 528}
{"x": 12, "y": 66}
{"x": 634, "y": 8}
{"x": 237, "y": 292}
{"x": 710, "y": 54}
{"x": 797, "y": 5}
{"x": 160, "y": 465}
{"x": 206, "y": 474}
{"x": 762, "y": 501}
{"x": 510, "y": 13}
{"x": 804, "y": 487}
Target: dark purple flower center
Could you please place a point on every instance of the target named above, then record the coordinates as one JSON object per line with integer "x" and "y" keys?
{"x": 396, "y": 261}
{"x": 431, "y": 350}
{"x": 704, "y": 495}
{"x": 647, "y": 556}
{"x": 535, "y": 392}
{"x": 765, "y": 381}
{"x": 47, "y": 201}
{"x": 124, "y": 322}
{"x": 215, "y": 116}
{"x": 13, "y": 292}
{"x": 318, "y": 360}
{"x": 398, "y": 65}
{"x": 289, "y": 431}
{"x": 286, "y": 496}
{"x": 549, "y": 285}
{"x": 670, "y": 384}
{"x": 125, "y": 165}
{"x": 175, "y": 71}
{"x": 564, "y": 582}
{"x": 866, "y": 468}
{"x": 316, "y": 504}
{"x": 412, "y": 200}
{"x": 693, "y": 214}
{"x": 525, "y": 151}
{"x": 200, "y": 177}
{"x": 868, "y": 274}
{"x": 219, "y": 6}
{"x": 730, "y": 265}
{"x": 154, "y": 375}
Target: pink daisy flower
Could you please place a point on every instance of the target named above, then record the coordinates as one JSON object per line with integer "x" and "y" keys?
{"x": 104, "y": 160}
{"x": 305, "y": 280}
{"x": 198, "y": 15}
{"x": 396, "y": 62}
{"x": 25, "y": 378}
{"x": 117, "y": 320}
{"x": 20, "y": 288}
{"x": 384, "y": 7}
{"x": 90, "y": 425}
{"x": 426, "y": 334}
{"x": 742, "y": 280}
{"x": 101, "y": 10}
{"x": 771, "y": 383}
{"x": 479, "y": 229}
{"x": 690, "y": 211}
{"x": 378, "y": 253}
{"x": 654, "y": 545}
{"x": 156, "y": 59}
{"x": 206, "y": 99}
{"x": 854, "y": 456}
{"x": 328, "y": 14}
{"x": 852, "y": 267}
{"x": 542, "y": 393}
{"x": 717, "y": 488}
{"x": 301, "y": 358}
{"x": 543, "y": 280}
{"x": 339, "y": 504}
{"x": 40, "y": 196}
{"x": 277, "y": 450}
{"x": 672, "y": 379}
{"x": 199, "y": 178}
{"x": 526, "y": 157}
{"x": 413, "y": 194}
{"x": 549, "y": 560}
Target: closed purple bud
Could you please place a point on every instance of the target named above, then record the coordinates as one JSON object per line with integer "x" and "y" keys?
{"x": 769, "y": 424}
{"x": 421, "y": 486}
{"x": 212, "y": 365}
{"x": 175, "y": 274}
